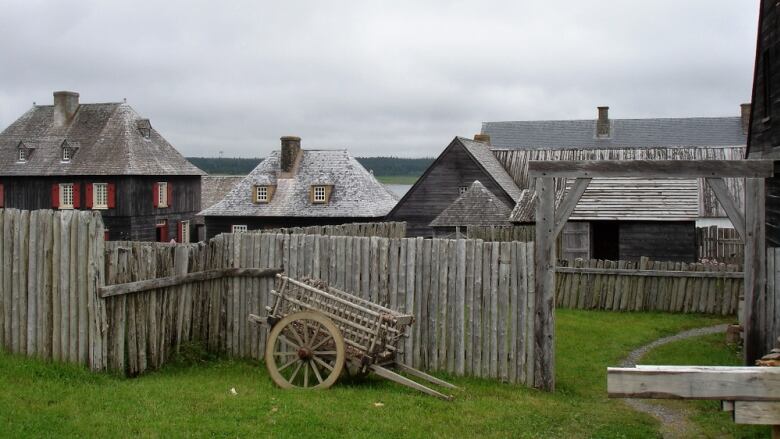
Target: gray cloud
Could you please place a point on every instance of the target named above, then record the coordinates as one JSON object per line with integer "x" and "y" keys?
{"x": 379, "y": 78}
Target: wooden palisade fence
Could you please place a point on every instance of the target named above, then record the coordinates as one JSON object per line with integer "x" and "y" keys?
{"x": 473, "y": 301}
{"x": 650, "y": 286}
{"x": 720, "y": 244}
{"x": 388, "y": 229}
{"x": 522, "y": 233}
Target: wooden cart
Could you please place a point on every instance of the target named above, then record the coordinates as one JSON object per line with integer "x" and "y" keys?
{"x": 317, "y": 332}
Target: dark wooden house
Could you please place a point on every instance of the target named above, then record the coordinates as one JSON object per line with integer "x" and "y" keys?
{"x": 103, "y": 157}
{"x": 298, "y": 187}
{"x": 475, "y": 207}
{"x": 462, "y": 162}
{"x": 764, "y": 139}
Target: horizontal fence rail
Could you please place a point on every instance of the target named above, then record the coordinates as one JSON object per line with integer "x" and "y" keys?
{"x": 650, "y": 286}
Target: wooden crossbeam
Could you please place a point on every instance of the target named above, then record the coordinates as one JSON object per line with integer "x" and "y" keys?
{"x": 691, "y": 382}
{"x": 170, "y": 281}
{"x": 569, "y": 203}
{"x": 726, "y": 199}
{"x": 652, "y": 273}
{"x": 651, "y": 168}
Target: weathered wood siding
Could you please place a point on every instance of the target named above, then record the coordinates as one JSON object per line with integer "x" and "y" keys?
{"x": 719, "y": 244}
{"x": 659, "y": 240}
{"x": 770, "y": 319}
{"x": 438, "y": 188}
{"x": 133, "y": 218}
{"x": 216, "y": 225}
{"x": 383, "y": 230}
{"x": 650, "y": 286}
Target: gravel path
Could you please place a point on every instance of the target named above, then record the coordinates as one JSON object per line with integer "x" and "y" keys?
{"x": 674, "y": 423}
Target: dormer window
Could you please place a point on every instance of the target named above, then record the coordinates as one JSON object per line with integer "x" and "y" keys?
{"x": 145, "y": 128}
{"x": 262, "y": 194}
{"x": 320, "y": 193}
{"x": 22, "y": 155}
{"x": 66, "y": 154}
{"x": 67, "y": 151}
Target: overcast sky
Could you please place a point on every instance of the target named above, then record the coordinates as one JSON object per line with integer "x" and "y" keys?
{"x": 378, "y": 78}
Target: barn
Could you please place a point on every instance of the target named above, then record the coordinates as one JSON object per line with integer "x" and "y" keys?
{"x": 102, "y": 156}
{"x": 296, "y": 187}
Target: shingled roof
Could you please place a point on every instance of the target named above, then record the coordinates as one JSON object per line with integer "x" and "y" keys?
{"x": 215, "y": 187}
{"x": 625, "y": 133}
{"x": 106, "y": 139}
{"x": 475, "y": 207}
{"x": 356, "y": 193}
{"x": 626, "y": 199}
{"x": 488, "y": 161}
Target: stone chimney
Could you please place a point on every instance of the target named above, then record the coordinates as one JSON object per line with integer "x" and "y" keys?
{"x": 291, "y": 145}
{"x": 602, "y": 124}
{"x": 482, "y": 138}
{"x": 745, "y": 113}
{"x": 65, "y": 105}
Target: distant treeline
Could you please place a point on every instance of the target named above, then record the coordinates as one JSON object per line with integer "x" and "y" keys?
{"x": 382, "y": 166}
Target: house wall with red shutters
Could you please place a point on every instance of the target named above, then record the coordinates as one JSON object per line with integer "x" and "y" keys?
{"x": 134, "y": 213}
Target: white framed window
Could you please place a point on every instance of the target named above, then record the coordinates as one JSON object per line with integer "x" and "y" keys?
{"x": 462, "y": 189}
{"x": 239, "y": 228}
{"x": 65, "y": 154}
{"x": 66, "y": 195}
{"x": 262, "y": 194}
{"x": 162, "y": 194}
{"x": 185, "y": 232}
{"x": 162, "y": 223}
{"x": 22, "y": 155}
{"x": 319, "y": 194}
{"x": 100, "y": 195}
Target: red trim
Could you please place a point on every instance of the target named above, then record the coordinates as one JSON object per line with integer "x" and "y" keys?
{"x": 55, "y": 196}
{"x": 2, "y": 196}
{"x": 111, "y": 195}
{"x": 179, "y": 232}
{"x": 88, "y": 201}
{"x": 76, "y": 195}
{"x": 155, "y": 194}
{"x": 170, "y": 194}
{"x": 163, "y": 232}
{"x": 105, "y": 235}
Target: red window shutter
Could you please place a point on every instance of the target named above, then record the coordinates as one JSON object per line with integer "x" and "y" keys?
{"x": 105, "y": 235}
{"x": 179, "y": 230}
{"x": 170, "y": 194}
{"x": 2, "y": 196}
{"x": 76, "y": 195}
{"x": 111, "y": 195}
{"x": 155, "y": 194}
{"x": 88, "y": 201}
{"x": 55, "y": 195}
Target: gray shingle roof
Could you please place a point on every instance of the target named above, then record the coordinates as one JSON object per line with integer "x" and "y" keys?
{"x": 475, "y": 207}
{"x": 627, "y": 199}
{"x": 692, "y": 131}
{"x": 485, "y": 157}
{"x": 108, "y": 139}
{"x": 215, "y": 187}
{"x": 356, "y": 193}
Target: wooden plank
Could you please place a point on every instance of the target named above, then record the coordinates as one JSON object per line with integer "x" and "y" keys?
{"x": 466, "y": 314}
{"x": 651, "y": 168}
{"x": 494, "y": 318}
{"x": 735, "y": 384}
{"x": 504, "y": 270}
{"x": 459, "y": 308}
{"x": 419, "y": 302}
{"x": 530, "y": 333}
{"x": 651, "y": 273}
{"x": 433, "y": 305}
{"x": 545, "y": 286}
{"x": 7, "y": 264}
{"x": 171, "y": 281}
{"x": 476, "y": 312}
{"x": 726, "y": 200}
{"x": 412, "y": 343}
{"x": 757, "y": 412}
{"x": 384, "y": 276}
{"x": 569, "y": 203}
{"x": 487, "y": 251}
{"x": 519, "y": 309}
{"x": 450, "y": 294}
{"x": 32, "y": 285}
{"x": 443, "y": 273}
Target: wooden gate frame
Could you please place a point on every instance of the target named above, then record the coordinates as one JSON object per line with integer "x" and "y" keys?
{"x": 549, "y": 223}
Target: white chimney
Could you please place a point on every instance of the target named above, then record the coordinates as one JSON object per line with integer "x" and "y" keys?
{"x": 65, "y": 105}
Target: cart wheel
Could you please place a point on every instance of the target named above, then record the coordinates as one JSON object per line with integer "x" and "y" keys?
{"x": 305, "y": 350}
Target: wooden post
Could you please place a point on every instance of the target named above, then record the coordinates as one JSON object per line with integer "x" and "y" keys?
{"x": 544, "y": 312}
{"x": 755, "y": 269}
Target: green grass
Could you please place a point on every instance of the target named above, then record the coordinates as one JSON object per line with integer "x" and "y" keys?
{"x": 192, "y": 398}
{"x": 397, "y": 179}
{"x": 708, "y": 350}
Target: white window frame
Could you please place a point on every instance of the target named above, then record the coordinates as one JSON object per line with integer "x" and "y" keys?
{"x": 261, "y": 194}
{"x": 185, "y": 232}
{"x": 100, "y": 195}
{"x": 239, "y": 228}
{"x": 462, "y": 190}
{"x": 318, "y": 194}
{"x": 162, "y": 194}
{"x": 65, "y": 154}
{"x": 22, "y": 155}
{"x": 66, "y": 196}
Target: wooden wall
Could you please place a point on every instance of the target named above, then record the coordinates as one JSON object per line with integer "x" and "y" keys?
{"x": 438, "y": 188}
{"x": 383, "y": 230}
{"x": 658, "y": 240}
{"x": 134, "y": 217}
{"x": 216, "y": 225}
{"x": 770, "y": 318}
{"x": 719, "y": 244}
{"x": 765, "y": 127}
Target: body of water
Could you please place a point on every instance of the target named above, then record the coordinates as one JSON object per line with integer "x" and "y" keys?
{"x": 399, "y": 189}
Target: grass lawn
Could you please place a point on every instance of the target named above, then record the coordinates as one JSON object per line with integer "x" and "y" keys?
{"x": 397, "y": 179}
{"x": 708, "y": 350}
{"x": 193, "y": 398}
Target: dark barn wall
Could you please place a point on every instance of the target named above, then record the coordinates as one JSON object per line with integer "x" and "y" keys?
{"x": 438, "y": 188}
{"x": 134, "y": 217}
{"x": 658, "y": 240}
{"x": 765, "y": 113}
{"x": 223, "y": 224}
